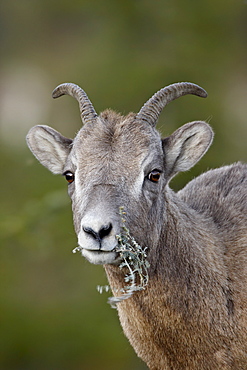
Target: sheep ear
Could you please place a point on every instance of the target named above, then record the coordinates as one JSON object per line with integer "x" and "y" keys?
{"x": 186, "y": 146}
{"x": 49, "y": 147}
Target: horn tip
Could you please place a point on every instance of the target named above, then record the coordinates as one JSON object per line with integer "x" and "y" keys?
{"x": 56, "y": 93}
{"x": 200, "y": 91}
{"x": 63, "y": 89}
{"x": 203, "y": 93}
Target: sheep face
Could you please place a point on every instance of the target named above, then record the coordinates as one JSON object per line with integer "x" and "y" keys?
{"x": 114, "y": 163}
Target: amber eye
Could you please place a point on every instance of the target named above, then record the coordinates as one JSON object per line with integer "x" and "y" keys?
{"x": 154, "y": 176}
{"x": 69, "y": 176}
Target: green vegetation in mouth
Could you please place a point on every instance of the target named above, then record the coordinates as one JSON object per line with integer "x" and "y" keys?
{"x": 134, "y": 260}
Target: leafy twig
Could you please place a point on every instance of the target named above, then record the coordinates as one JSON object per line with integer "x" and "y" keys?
{"x": 134, "y": 258}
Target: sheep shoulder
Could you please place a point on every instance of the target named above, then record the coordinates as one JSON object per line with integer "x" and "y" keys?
{"x": 221, "y": 195}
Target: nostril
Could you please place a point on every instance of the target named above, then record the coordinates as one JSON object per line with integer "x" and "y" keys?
{"x": 91, "y": 232}
{"x": 105, "y": 230}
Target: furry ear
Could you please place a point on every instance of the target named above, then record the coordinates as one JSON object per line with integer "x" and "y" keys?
{"x": 49, "y": 147}
{"x": 186, "y": 146}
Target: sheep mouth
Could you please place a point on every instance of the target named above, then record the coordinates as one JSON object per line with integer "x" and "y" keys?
{"x": 99, "y": 257}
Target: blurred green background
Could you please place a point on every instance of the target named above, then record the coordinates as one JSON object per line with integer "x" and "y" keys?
{"x": 120, "y": 52}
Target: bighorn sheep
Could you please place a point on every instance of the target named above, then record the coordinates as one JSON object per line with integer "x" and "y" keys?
{"x": 192, "y": 314}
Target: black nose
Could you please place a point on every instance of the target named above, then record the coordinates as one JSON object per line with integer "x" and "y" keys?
{"x": 98, "y": 235}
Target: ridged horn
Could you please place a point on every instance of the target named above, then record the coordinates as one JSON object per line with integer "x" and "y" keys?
{"x": 152, "y": 108}
{"x": 87, "y": 111}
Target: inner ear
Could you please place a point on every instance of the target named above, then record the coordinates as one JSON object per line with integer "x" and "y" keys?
{"x": 49, "y": 147}
{"x": 185, "y": 147}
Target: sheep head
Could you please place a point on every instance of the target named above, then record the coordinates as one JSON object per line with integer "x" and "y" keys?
{"x": 117, "y": 161}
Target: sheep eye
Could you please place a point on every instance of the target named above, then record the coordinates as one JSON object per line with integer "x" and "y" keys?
{"x": 69, "y": 176}
{"x": 154, "y": 176}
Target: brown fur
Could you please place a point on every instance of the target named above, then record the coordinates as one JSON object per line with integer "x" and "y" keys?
{"x": 192, "y": 315}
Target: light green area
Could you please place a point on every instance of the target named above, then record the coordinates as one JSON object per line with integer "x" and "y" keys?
{"x": 120, "y": 52}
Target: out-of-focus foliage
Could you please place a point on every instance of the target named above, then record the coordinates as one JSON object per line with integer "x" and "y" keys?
{"x": 120, "y": 52}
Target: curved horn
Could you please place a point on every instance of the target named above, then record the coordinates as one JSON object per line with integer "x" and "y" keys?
{"x": 88, "y": 113}
{"x": 152, "y": 108}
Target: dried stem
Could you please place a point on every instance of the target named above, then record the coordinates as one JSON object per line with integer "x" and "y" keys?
{"x": 134, "y": 258}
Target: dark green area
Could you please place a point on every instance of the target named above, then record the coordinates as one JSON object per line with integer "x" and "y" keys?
{"x": 120, "y": 52}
